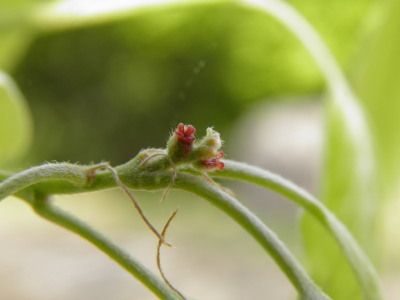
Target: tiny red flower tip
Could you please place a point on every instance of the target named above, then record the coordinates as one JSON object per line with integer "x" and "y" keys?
{"x": 220, "y": 154}
{"x": 181, "y": 127}
{"x": 190, "y": 130}
{"x": 215, "y": 163}
{"x": 185, "y": 133}
{"x": 220, "y": 165}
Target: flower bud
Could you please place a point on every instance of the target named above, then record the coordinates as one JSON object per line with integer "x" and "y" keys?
{"x": 206, "y": 154}
{"x": 180, "y": 143}
{"x": 212, "y": 163}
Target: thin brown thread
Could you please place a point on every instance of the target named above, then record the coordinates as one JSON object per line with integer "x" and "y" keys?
{"x": 210, "y": 180}
{"x": 161, "y": 237}
{"x": 144, "y": 161}
{"x": 134, "y": 201}
{"x": 172, "y": 181}
{"x": 159, "y": 256}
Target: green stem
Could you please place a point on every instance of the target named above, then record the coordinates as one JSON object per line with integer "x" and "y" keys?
{"x": 362, "y": 267}
{"x": 354, "y": 139}
{"x": 253, "y": 225}
{"x": 134, "y": 176}
{"x": 138, "y": 179}
{"x": 134, "y": 267}
{"x": 74, "y": 174}
{"x": 55, "y": 178}
{"x": 69, "y": 178}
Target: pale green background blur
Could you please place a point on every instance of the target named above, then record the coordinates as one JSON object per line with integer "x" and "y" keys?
{"x": 103, "y": 91}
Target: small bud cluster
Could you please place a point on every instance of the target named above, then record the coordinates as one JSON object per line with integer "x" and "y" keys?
{"x": 180, "y": 143}
{"x": 203, "y": 155}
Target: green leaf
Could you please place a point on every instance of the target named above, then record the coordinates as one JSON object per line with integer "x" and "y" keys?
{"x": 349, "y": 190}
{"x": 15, "y": 121}
{"x": 367, "y": 277}
{"x": 377, "y": 81}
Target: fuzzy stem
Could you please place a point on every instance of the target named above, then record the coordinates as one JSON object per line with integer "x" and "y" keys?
{"x": 132, "y": 175}
{"x": 362, "y": 267}
{"x": 134, "y": 267}
{"x": 253, "y": 225}
{"x": 71, "y": 173}
{"x": 55, "y": 178}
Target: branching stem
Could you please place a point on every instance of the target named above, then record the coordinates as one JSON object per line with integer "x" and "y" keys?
{"x": 131, "y": 175}
{"x": 130, "y": 195}
{"x": 361, "y": 265}
{"x": 256, "y": 228}
{"x": 126, "y": 261}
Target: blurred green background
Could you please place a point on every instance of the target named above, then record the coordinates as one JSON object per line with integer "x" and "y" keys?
{"x": 88, "y": 88}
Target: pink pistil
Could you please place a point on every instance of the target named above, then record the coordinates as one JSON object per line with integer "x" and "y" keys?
{"x": 186, "y": 133}
{"x": 215, "y": 163}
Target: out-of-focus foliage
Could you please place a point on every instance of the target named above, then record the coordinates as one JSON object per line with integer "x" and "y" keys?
{"x": 12, "y": 42}
{"x": 351, "y": 198}
{"x": 340, "y": 23}
{"x": 16, "y": 30}
{"x": 377, "y": 80}
{"x": 101, "y": 92}
{"x": 200, "y": 64}
{"x": 14, "y": 121}
{"x": 108, "y": 89}
{"x": 376, "y": 77}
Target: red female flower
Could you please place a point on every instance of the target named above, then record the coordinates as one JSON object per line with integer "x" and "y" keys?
{"x": 180, "y": 143}
{"x": 214, "y": 163}
{"x": 185, "y": 133}
{"x": 203, "y": 155}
